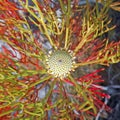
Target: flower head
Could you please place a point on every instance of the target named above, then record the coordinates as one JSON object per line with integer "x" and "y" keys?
{"x": 60, "y": 63}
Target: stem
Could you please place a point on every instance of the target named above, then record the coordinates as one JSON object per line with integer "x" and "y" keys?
{"x": 5, "y": 113}
{"x": 41, "y": 19}
{"x": 34, "y": 114}
{"x": 40, "y": 81}
{"x": 87, "y": 103}
{"x": 62, "y": 6}
{"x": 67, "y": 23}
{"x": 90, "y": 62}
{"x": 66, "y": 38}
{"x": 49, "y": 92}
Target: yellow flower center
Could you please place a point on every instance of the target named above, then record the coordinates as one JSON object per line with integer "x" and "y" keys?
{"x": 60, "y": 63}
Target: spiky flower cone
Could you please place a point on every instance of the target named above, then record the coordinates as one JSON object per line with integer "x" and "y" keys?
{"x": 47, "y": 41}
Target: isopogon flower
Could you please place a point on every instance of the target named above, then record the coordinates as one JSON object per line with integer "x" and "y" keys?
{"x": 52, "y": 40}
